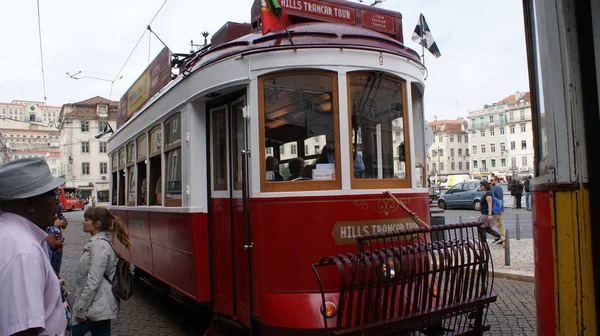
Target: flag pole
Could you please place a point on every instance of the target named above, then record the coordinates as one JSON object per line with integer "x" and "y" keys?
{"x": 423, "y": 54}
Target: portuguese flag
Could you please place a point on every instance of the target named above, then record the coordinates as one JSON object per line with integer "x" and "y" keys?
{"x": 272, "y": 16}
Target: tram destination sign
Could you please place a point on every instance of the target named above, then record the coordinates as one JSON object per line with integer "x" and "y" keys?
{"x": 345, "y": 233}
{"x": 154, "y": 78}
{"x": 330, "y": 11}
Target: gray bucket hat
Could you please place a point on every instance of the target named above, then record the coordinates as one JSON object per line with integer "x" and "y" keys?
{"x": 25, "y": 178}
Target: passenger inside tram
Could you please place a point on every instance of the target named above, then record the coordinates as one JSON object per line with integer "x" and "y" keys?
{"x": 272, "y": 165}
{"x": 296, "y": 167}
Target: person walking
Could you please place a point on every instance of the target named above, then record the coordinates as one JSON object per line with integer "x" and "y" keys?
{"x": 486, "y": 209}
{"x": 499, "y": 217}
{"x": 518, "y": 194}
{"x": 30, "y": 292}
{"x": 527, "y": 188}
{"x": 95, "y": 304}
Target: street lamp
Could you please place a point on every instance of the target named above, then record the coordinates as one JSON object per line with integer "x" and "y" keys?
{"x": 72, "y": 175}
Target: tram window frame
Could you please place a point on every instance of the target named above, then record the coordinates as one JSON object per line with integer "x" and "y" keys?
{"x": 174, "y": 147}
{"x": 142, "y": 166}
{"x": 114, "y": 170}
{"x": 155, "y": 161}
{"x": 308, "y": 185}
{"x": 121, "y": 176}
{"x": 382, "y": 183}
{"x": 237, "y": 141}
{"x": 219, "y": 155}
{"x": 130, "y": 167}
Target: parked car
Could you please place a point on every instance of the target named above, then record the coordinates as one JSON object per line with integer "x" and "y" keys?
{"x": 466, "y": 195}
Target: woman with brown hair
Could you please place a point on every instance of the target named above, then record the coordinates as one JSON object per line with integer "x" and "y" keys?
{"x": 95, "y": 305}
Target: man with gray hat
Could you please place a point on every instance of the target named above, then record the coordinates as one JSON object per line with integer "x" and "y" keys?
{"x": 30, "y": 292}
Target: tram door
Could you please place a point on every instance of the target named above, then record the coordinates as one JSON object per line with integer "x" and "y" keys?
{"x": 231, "y": 267}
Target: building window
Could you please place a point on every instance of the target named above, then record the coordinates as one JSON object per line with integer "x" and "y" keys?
{"x": 440, "y": 138}
{"x": 524, "y": 161}
{"x": 493, "y": 148}
{"x": 522, "y": 115}
{"x": 441, "y": 166}
{"x": 101, "y": 125}
{"x": 482, "y": 133}
{"x": 460, "y": 166}
{"x": 434, "y": 153}
{"x": 294, "y": 149}
{"x": 451, "y": 151}
{"x": 452, "y": 166}
{"x": 482, "y": 149}
{"x": 523, "y": 128}
{"x": 473, "y": 123}
{"x": 501, "y": 130}
{"x": 467, "y": 165}
{"x": 475, "y": 164}
{"x": 103, "y": 168}
{"x": 434, "y": 166}
{"x": 513, "y": 145}
{"x": 474, "y": 150}
{"x": 102, "y": 147}
{"x": 441, "y": 152}
{"x": 85, "y": 168}
{"x": 282, "y": 150}
{"x": 451, "y": 138}
{"x": 85, "y": 126}
{"x": 483, "y": 165}
{"x": 503, "y": 162}
{"x": 85, "y": 147}
{"x": 317, "y": 149}
{"x": 513, "y": 162}
{"x": 511, "y": 116}
{"x": 502, "y": 147}
{"x": 523, "y": 144}
{"x": 460, "y": 152}
{"x": 459, "y": 138}
{"x": 492, "y": 132}
{"x": 493, "y": 163}
{"x": 512, "y": 129}
{"x": 481, "y": 122}
{"x": 491, "y": 118}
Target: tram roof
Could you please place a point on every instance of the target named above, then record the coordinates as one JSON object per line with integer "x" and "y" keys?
{"x": 308, "y": 35}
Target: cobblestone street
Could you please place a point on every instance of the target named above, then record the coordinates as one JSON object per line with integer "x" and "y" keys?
{"x": 149, "y": 313}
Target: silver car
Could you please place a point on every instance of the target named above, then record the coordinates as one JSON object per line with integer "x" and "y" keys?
{"x": 466, "y": 195}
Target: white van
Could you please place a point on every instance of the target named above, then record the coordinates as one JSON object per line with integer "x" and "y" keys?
{"x": 454, "y": 179}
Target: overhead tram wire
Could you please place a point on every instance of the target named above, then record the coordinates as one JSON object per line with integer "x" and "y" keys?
{"x": 41, "y": 51}
{"x": 136, "y": 45}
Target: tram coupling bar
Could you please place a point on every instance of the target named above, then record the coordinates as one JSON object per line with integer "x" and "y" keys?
{"x": 249, "y": 247}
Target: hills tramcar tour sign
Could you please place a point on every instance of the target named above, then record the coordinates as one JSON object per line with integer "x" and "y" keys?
{"x": 154, "y": 78}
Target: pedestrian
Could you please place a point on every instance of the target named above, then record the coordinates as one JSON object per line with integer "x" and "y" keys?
{"x": 56, "y": 245}
{"x": 499, "y": 217}
{"x": 511, "y": 188}
{"x": 518, "y": 193}
{"x": 93, "y": 201}
{"x": 486, "y": 209}
{"x": 95, "y": 304}
{"x": 527, "y": 188}
{"x": 30, "y": 292}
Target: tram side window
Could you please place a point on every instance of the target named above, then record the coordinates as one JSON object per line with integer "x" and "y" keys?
{"x": 301, "y": 140}
{"x": 173, "y": 155}
{"x": 114, "y": 179}
{"x": 131, "y": 174}
{"x": 419, "y": 133}
{"x": 122, "y": 176}
{"x": 142, "y": 150}
{"x": 155, "y": 166}
{"x": 379, "y": 132}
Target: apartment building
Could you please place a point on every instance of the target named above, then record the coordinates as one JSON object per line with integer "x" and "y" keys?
{"x": 449, "y": 151}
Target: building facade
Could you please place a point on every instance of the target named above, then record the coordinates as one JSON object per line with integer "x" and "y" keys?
{"x": 501, "y": 138}
{"x": 449, "y": 151}
{"x": 29, "y": 111}
{"x": 51, "y": 155}
{"x": 84, "y": 158}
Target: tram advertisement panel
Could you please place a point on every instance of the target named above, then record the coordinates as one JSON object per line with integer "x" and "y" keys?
{"x": 154, "y": 78}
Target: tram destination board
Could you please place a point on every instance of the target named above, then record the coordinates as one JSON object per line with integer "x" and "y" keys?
{"x": 154, "y": 78}
{"x": 384, "y": 21}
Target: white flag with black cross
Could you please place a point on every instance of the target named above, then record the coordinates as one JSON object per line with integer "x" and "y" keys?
{"x": 105, "y": 130}
{"x": 422, "y": 35}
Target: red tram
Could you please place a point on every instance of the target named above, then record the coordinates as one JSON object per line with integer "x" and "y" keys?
{"x": 266, "y": 153}
{"x": 563, "y": 43}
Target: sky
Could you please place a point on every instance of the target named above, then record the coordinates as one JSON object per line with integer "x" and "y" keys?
{"x": 482, "y": 44}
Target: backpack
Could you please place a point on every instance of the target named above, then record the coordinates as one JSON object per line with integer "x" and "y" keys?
{"x": 122, "y": 282}
{"x": 496, "y": 207}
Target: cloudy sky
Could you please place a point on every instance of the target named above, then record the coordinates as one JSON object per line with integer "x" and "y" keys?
{"x": 482, "y": 45}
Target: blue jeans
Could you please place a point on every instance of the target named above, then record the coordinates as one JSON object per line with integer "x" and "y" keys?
{"x": 528, "y": 200}
{"x": 97, "y": 328}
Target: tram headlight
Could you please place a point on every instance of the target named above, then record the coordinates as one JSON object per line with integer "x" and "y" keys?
{"x": 389, "y": 264}
{"x": 329, "y": 310}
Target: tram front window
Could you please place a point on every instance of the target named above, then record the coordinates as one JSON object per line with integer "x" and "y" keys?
{"x": 300, "y": 132}
{"x": 379, "y": 132}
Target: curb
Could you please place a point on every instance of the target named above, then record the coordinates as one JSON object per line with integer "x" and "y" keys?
{"x": 514, "y": 275}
